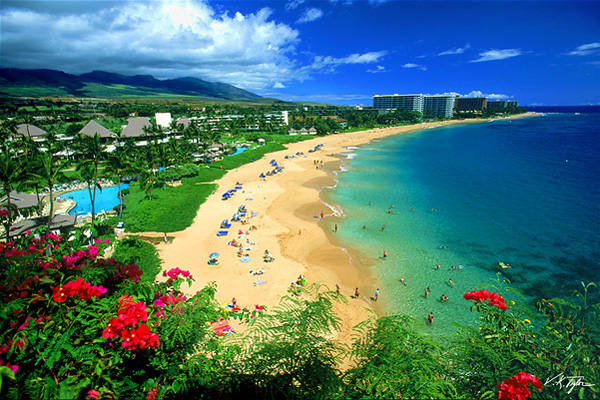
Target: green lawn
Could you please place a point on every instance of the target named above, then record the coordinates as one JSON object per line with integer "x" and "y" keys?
{"x": 168, "y": 211}
{"x": 175, "y": 209}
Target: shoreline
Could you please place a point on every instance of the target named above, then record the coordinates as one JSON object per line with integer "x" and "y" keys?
{"x": 288, "y": 207}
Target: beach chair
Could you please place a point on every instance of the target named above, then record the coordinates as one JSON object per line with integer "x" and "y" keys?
{"x": 222, "y": 233}
{"x": 225, "y": 224}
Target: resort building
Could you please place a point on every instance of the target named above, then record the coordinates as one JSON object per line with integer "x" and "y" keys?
{"x": 135, "y": 127}
{"x": 92, "y": 128}
{"x": 438, "y": 106}
{"x": 409, "y": 102}
{"x": 32, "y": 132}
{"x": 470, "y": 104}
{"x": 163, "y": 119}
{"x": 499, "y": 104}
{"x": 441, "y": 106}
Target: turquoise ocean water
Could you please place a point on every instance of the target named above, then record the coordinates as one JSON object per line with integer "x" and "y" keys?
{"x": 524, "y": 192}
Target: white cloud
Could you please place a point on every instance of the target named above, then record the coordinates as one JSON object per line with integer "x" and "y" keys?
{"x": 323, "y": 98}
{"x": 163, "y": 38}
{"x": 493, "y": 55}
{"x": 411, "y": 65}
{"x": 479, "y": 93}
{"x": 278, "y": 85}
{"x": 378, "y": 69}
{"x": 293, "y": 4}
{"x": 330, "y": 64}
{"x": 310, "y": 14}
{"x": 459, "y": 50}
{"x": 585, "y": 49}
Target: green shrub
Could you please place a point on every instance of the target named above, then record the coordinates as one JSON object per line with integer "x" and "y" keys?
{"x": 132, "y": 250}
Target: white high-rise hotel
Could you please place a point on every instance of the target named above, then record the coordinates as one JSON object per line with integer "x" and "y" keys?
{"x": 430, "y": 106}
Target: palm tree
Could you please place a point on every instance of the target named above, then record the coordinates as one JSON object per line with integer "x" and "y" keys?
{"x": 87, "y": 172}
{"x": 11, "y": 169}
{"x": 118, "y": 165}
{"x": 8, "y": 131}
{"x": 162, "y": 154}
{"x": 147, "y": 182}
{"x": 92, "y": 149}
{"x": 50, "y": 170}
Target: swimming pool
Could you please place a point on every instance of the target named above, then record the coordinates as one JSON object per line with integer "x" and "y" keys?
{"x": 238, "y": 151}
{"x": 106, "y": 199}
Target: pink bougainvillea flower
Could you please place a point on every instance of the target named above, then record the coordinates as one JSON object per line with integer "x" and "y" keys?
{"x": 515, "y": 387}
{"x": 175, "y": 272}
{"x": 93, "y": 394}
{"x": 12, "y": 367}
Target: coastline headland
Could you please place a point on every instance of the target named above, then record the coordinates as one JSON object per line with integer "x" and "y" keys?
{"x": 286, "y": 216}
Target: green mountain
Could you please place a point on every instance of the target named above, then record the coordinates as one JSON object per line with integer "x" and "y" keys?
{"x": 45, "y": 82}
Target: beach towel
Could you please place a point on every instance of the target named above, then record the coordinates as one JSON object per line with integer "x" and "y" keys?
{"x": 222, "y": 233}
{"x": 221, "y": 327}
{"x": 260, "y": 282}
{"x": 245, "y": 259}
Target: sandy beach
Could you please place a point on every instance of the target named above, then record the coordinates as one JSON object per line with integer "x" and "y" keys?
{"x": 286, "y": 211}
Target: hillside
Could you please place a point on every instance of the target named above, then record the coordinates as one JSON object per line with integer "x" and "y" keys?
{"x": 44, "y": 82}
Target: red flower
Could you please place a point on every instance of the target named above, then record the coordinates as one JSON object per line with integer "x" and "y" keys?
{"x": 515, "y": 388}
{"x": 128, "y": 315}
{"x": 152, "y": 392}
{"x": 482, "y": 295}
{"x": 58, "y": 295}
{"x": 79, "y": 288}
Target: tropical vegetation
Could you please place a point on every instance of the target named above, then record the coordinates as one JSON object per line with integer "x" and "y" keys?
{"x": 86, "y": 316}
{"x": 78, "y": 325}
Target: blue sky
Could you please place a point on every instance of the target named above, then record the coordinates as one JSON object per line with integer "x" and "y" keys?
{"x": 330, "y": 51}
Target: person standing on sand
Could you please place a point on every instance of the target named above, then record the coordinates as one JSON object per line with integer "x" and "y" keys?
{"x": 376, "y": 294}
{"x": 321, "y": 214}
{"x": 337, "y": 288}
{"x": 356, "y": 293}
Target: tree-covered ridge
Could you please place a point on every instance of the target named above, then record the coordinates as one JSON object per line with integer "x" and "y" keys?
{"x": 45, "y": 82}
{"x": 76, "y": 325}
